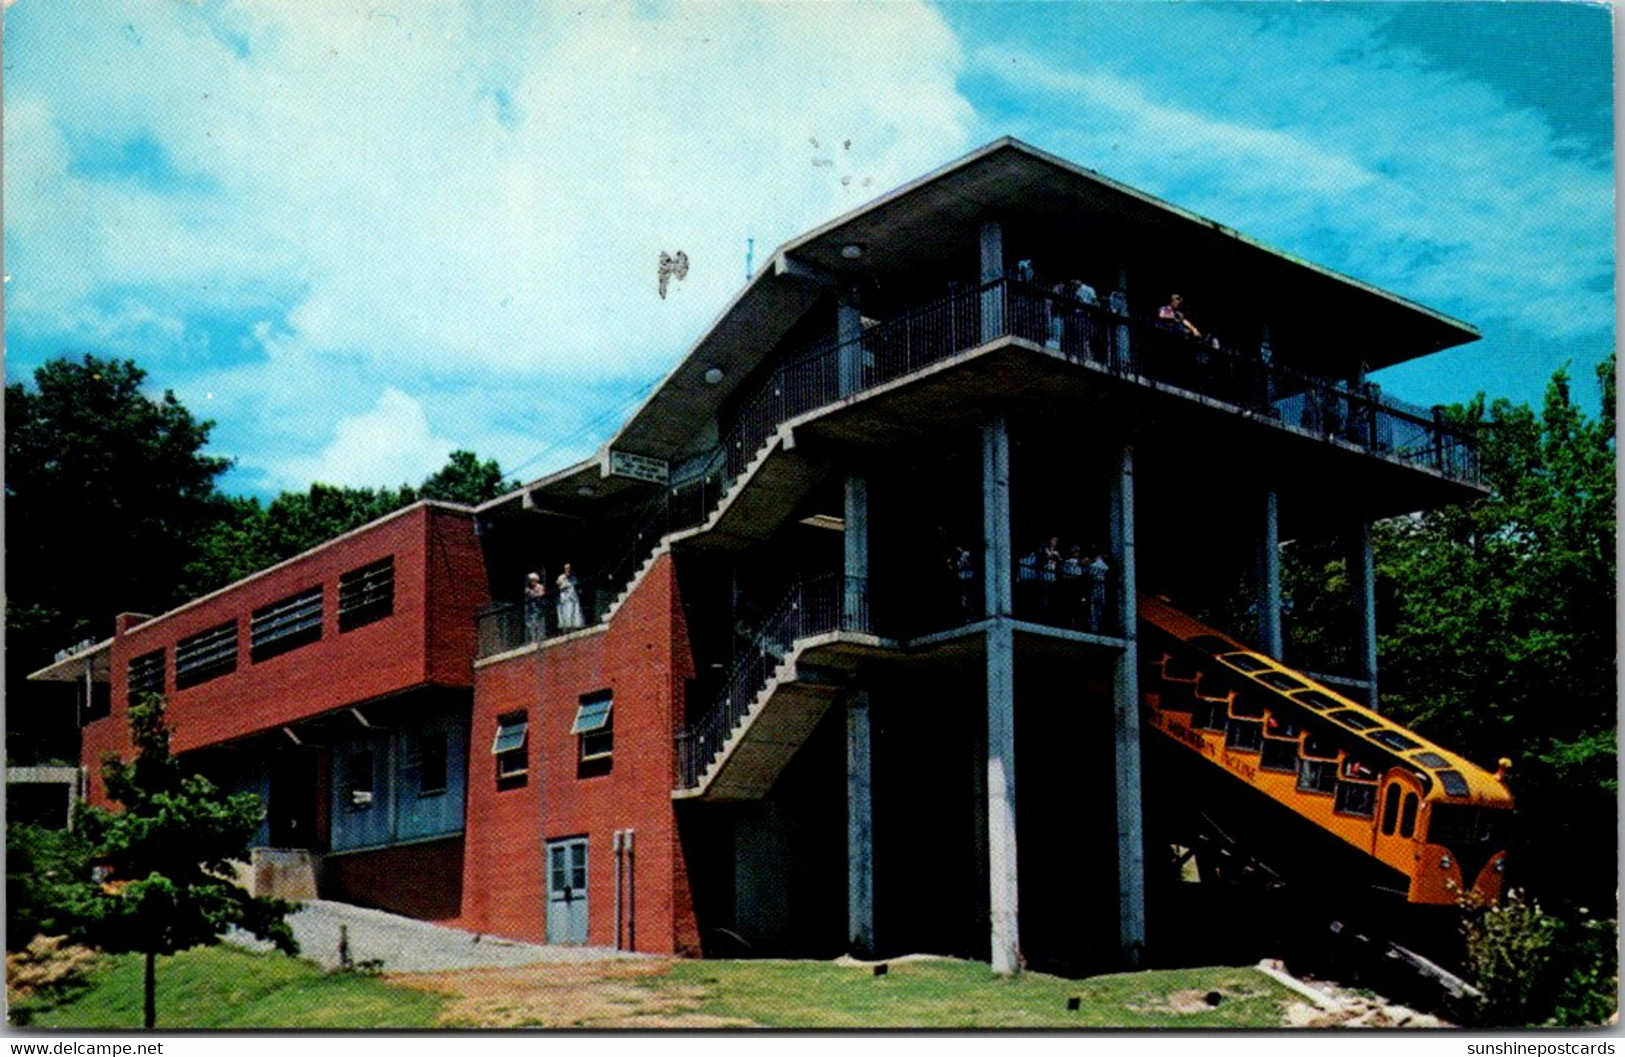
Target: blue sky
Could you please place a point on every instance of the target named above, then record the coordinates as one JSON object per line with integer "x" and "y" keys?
{"x": 360, "y": 235}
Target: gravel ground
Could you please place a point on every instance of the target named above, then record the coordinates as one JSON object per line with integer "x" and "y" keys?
{"x": 406, "y": 945}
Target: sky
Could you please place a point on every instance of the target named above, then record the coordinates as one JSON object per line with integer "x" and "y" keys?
{"x": 361, "y": 235}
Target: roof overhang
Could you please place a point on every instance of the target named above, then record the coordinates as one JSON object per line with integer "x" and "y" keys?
{"x": 71, "y": 669}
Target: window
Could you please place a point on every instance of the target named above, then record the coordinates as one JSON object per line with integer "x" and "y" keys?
{"x": 429, "y": 758}
{"x": 1430, "y": 759}
{"x": 595, "y": 726}
{"x": 147, "y": 674}
{"x": 286, "y": 625}
{"x": 1454, "y": 784}
{"x": 1280, "y": 681}
{"x": 1245, "y": 661}
{"x": 509, "y": 744}
{"x": 1358, "y": 720}
{"x": 367, "y": 594}
{"x": 1317, "y": 700}
{"x": 358, "y": 779}
{"x": 1394, "y": 740}
{"x": 1317, "y": 776}
{"x": 1355, "y": 799}
{"x": 1407, "y": 818}
{"x": 1279, "y": 755}
{"x": 1209, "y": 715}
{"x": 1246, "y": 706}
{"x": 1244, "y": 736}
{"x": 206, "y": 655}
{"x": 1390, "y": 808}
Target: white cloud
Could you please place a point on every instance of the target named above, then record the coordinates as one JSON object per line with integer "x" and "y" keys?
{"x": 388, "y": 444}
{"x": 1313, "y": 135}
{"x": 432, "y": 195}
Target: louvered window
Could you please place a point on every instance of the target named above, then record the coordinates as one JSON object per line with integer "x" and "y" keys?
{"x": 367, "y": 594}
{"x": 286, "y": 625}
{"x": 206, "y": 655}
{"x": 146, "y": 674}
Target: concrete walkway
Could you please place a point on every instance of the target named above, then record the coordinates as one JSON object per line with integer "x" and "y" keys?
{"x": 406, "y": 945}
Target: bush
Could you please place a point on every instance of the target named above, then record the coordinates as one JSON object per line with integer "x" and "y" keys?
{"x": 1536, "y": 968}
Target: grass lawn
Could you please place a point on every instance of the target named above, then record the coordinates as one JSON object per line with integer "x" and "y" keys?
{"x": 225, "y": 988}
{"x": 945, "y": 994}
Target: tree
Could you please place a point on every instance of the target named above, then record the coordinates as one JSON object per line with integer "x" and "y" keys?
{"x": 465, "y": 479}
{"x": 1498, "y": 626}
{"x": 167, "y": 857}
{"x": 107, "y": 496}
{"x": 249, "y": 537}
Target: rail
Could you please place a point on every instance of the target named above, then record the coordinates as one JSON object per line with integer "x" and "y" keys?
{"x": 813, "y": 607}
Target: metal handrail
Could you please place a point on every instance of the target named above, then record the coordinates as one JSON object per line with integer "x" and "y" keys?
{"x": 813, "y": 607}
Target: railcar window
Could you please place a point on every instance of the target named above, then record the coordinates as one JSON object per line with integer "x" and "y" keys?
{"x": 1453, "y": 783}
{"x": 1430, "y": 759}
{"x": 1245, "y": 706}
{"x": 1245, "y": 661}
{"x": 1407, "y": 818}
{"x": 1390, "y": 808}
{"x": 1358, "y": 770}
{"x": 1358, "y": 720}
{"x": 1355, "y": 798}
{"x": 1280, "y": 680}
{"x": 1319, "y": 748}
{"x": 1244, "y": 736}
{"x": 1453, "y": 824}
{"x": 1276, "y": 727}
{"x": 1317, "y": 776}
{"x": 1490, "y": 824}
{"x": 1279, "y": 755}
{"x": 1208, "y": 715}
{"x": 1394, "y": 740}
{"x": 1317, "y": 700}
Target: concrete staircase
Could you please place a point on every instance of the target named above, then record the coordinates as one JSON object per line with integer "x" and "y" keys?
{"x": 776, "y": 724}
{"x": 750, "y": 509}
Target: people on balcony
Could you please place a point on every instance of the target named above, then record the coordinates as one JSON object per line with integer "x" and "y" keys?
{"x": 535, "y": 608}
{"x": 1171, "y": 316}
{"x": 569, "y": 601}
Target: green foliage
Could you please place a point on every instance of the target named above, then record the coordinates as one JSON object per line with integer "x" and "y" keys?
{"x": 168, "y": 856}
{"x": 252, "y": 537}
{"x": 225, "y": 989}
{"x": 1498, "y": 623}
{"x": 43, "y": 868}
{"x": 1533, "y": 967}
{"x": 107, "y": 494}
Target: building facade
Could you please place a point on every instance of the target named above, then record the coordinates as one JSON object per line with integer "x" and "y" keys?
{"x": 836, "y": 645}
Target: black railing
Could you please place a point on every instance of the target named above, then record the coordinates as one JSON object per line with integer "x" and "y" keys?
{"x": 814, "y": 607}
{"x": 1066, "y": 592}
{"x": 505, "y": 626}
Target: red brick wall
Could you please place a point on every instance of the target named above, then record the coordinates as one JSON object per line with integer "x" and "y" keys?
{"x": 437, "y": 585}
{"x": 643, "y": 658}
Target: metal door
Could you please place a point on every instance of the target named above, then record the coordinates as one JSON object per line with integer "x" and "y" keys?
{"x": 567, "y": 891}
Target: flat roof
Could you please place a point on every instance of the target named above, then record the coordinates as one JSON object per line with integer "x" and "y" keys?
{"x": 1050, "y": 207}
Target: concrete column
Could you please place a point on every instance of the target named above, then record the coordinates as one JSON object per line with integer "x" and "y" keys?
{"x": 848, "y": 329}
{"x": 855, "y": 615}
{"x": 1267, "y": 591}
{"x": 1363, "y": 566}
{"x": 996, "y": 557}
{"x": 860, "y": 841}
{"x": 1126, "y": 722}
{"x": 1004, "y": 924}
{"x": 992, "y": 259}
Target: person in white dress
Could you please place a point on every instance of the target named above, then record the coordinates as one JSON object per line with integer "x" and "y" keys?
{"x": 569, "y": 601}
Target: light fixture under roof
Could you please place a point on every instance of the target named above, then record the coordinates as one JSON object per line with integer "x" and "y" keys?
{"x": 852, "y": 251}
{"x": 713, "y": 375}
{"x": 825, "y": 521}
